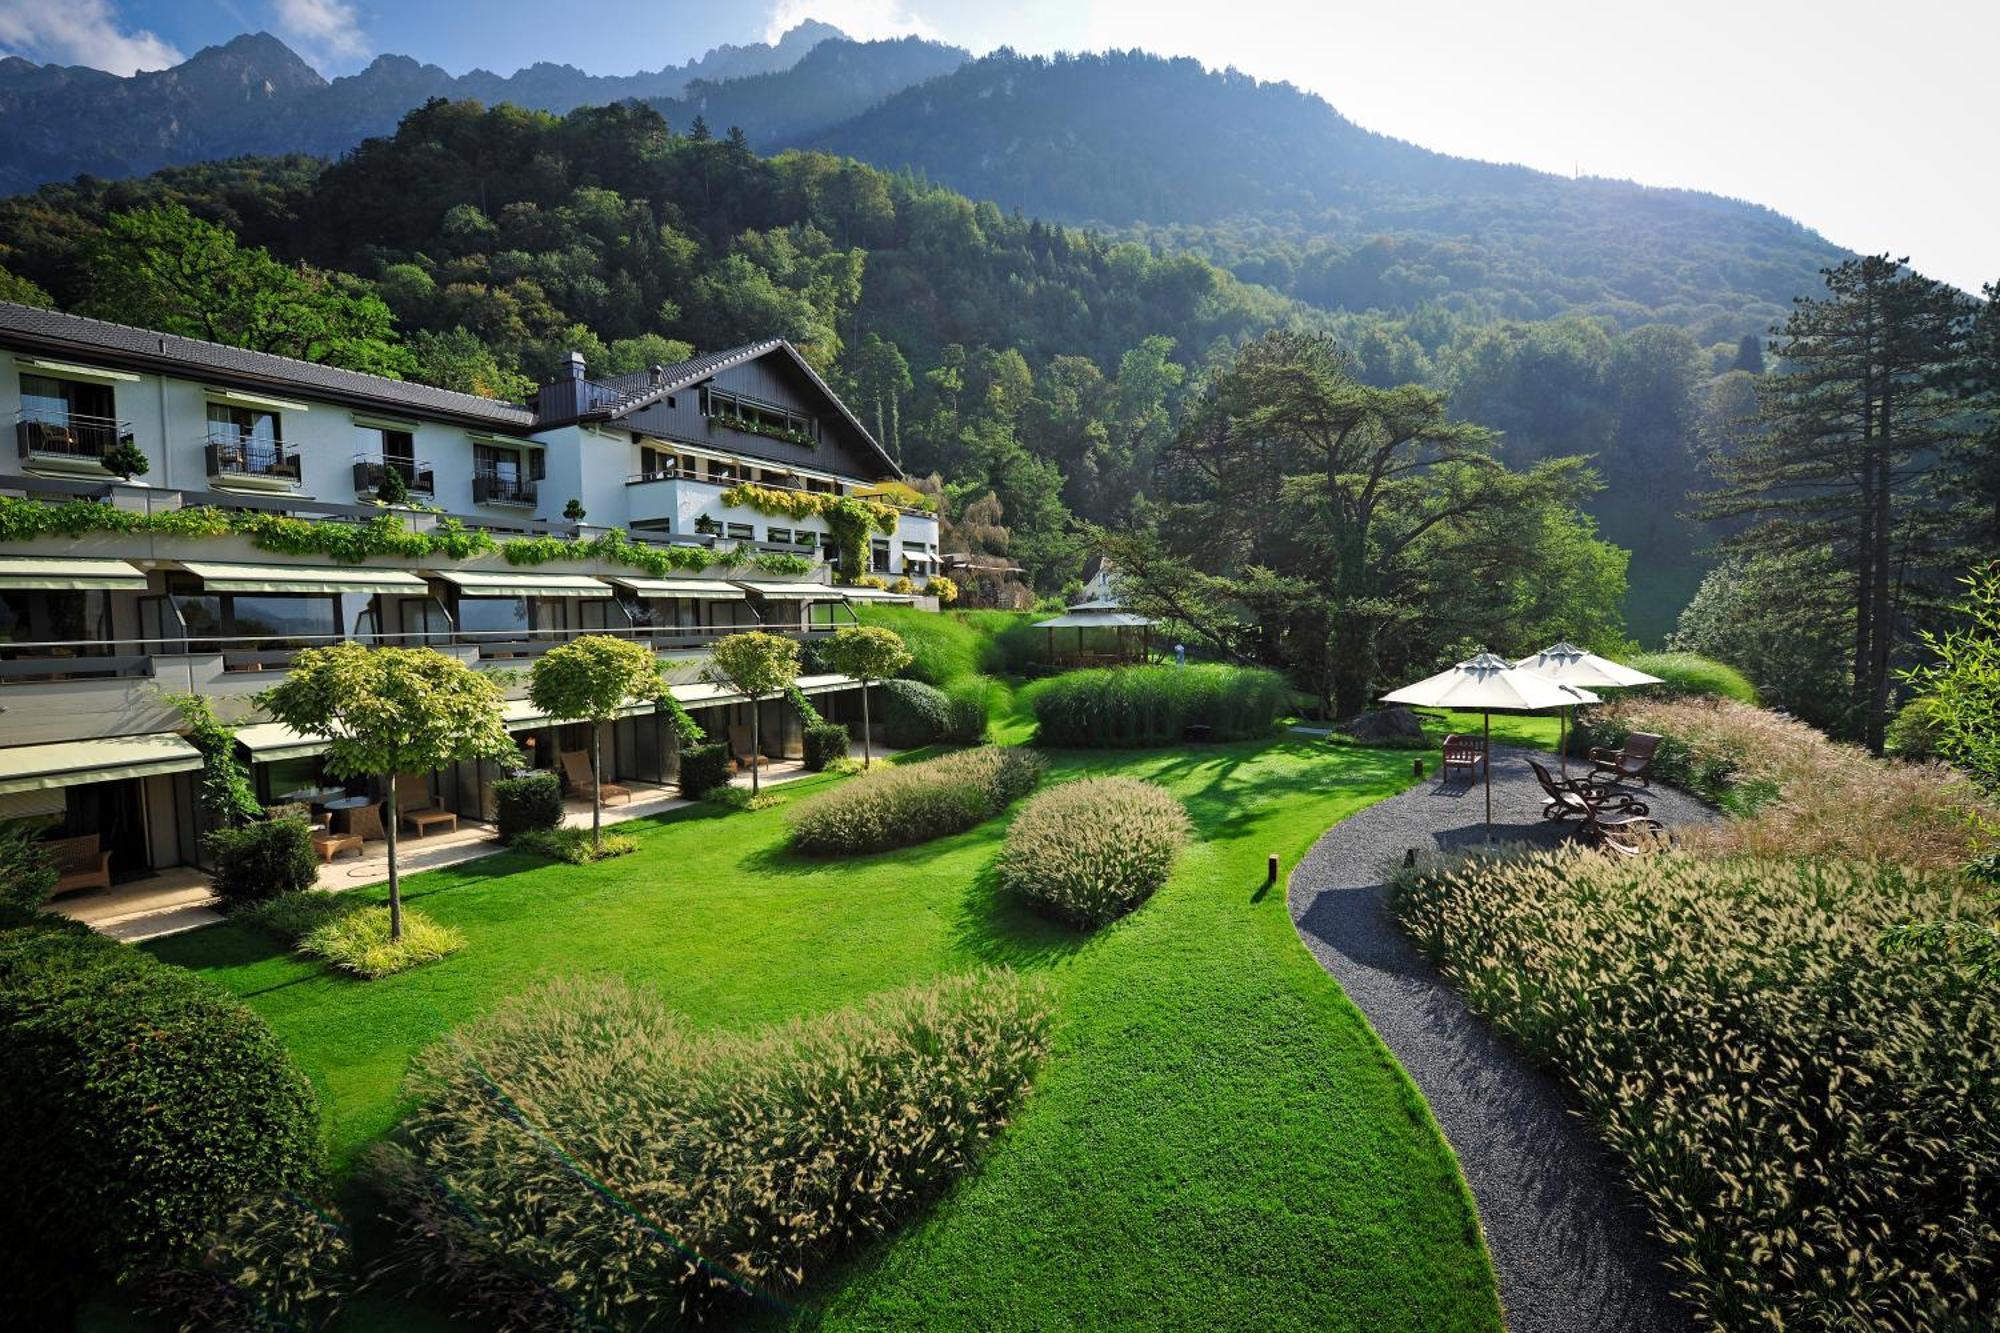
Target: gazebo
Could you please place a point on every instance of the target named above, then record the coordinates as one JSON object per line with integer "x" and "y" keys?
{"x": 1103, "y": 614}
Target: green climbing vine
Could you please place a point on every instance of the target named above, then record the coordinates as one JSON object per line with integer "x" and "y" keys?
{"x": 807, "y": 713}
{"x": 850, "y": 520}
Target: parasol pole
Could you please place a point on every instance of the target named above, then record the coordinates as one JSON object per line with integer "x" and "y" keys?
{"x": 1487, "y": 718}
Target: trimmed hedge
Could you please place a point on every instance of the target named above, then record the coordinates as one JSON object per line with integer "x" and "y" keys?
{"x": 526, "y": 802}
{"x": 28, "y": 873}
{"x": 765, "y": 1156}
{"x": 703, "y": 768}
{"x": 141, "y": 1103}
{"x": 824, "y": 743}
{"x": 965, "y": 710}
{"x": 1692, "y": 674}
{"x": 1092, "y": 850}
{"x": 1807, "y": 1115}
{"x": 912, "y": 803}
{"x": 1156, "y": 705}
{"x": 263, "y": 860}
{"x": 913, "y": 714}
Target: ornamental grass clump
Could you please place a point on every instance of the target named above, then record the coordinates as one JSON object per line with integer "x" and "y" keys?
{"x": 913, "y": 803}
{"x": 358, "y": 942}
{"x": 1156, "y": 705}
{"x": 1808, "y": 1115}
{"x": 584, "y": 1157}
{"x": 1092, "y": 850}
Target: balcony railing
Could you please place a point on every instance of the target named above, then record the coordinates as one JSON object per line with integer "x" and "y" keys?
{"x": 671, "y": 473}
{"x": 251, "y": 458}
{"x": 371, "y": 471}
{"x": 498, "y": 488}
{"x": 68, "y": 436}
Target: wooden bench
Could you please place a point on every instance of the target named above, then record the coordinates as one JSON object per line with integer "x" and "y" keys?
{"x": 1466, "y": 752}
{"x": 80, "y": 864}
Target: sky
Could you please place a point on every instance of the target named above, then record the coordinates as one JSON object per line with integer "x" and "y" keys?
{"x": 1872, "y": 124}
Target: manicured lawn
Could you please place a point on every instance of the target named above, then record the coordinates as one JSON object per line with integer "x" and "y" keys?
{"x": 1216, "y": 1138}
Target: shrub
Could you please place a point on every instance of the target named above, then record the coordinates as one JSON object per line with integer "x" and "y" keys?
{"x": 913, "y": 714}
{"x": 28, "y": 874}
{"x": 942, "y": 588}
{"x": 358, "y": 941}
{"x": 1691, "y": 674}
{"x": 1808, "y": 1118}
{"x": 742, "y": 798}
{"x": 263, "y": 860}
{"x": 703, "y": 768}
{"x": 824, "y": 743}
{"x": 276, "y": 1264}
{"x": 912, "y": 803}
{"x": 1090, "y": 851}
{"x": 141, "y": 1101}
{"x": 525, "y": 802}
{"x": 946, "y": 646}
{"x": 1913, "y": 733}
{"x": 965, "y": 710}
{"x": 293, "y": 916}
{"x": 1798, "y": 792}
{"x": 574, "y": 845}
{"x": 773, "y": 1151}
{"x": 1156, "y": 705}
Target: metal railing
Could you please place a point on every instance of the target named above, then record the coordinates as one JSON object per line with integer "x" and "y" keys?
{"x": 671, "y": 473}
{"x": 68, "y": 435}
{"x": 371, "y": 471}
{"x": 498, "y": 488}
{"x": 250, "y": 456}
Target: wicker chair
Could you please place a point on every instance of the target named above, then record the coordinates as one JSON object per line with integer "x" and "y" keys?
{"x": 365, "y": 822}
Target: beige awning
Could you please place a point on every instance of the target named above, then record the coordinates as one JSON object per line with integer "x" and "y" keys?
{"x": 866, "y": 594}
{"x": 24, "y": 572}
{"x": 704, "y": 694}
{"x": 268, "y": 742}
{"x": 796, "y": 592}
{"x": 824, "y": 684}
{"x": 521, "y": 714}
{"x": 646, "y": 587}
{"x": 302, "y": 578}
{"x": 71, "y": 763}
{"x": 508, "y": 583}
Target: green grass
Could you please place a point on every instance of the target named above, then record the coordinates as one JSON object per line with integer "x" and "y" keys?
{"x": 1217, "y": 1136}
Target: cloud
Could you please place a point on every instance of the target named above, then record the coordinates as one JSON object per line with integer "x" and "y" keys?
{"x": 863, "y": 20}
{"x": 80, "y": 32}
{"x": 325, "y": 31}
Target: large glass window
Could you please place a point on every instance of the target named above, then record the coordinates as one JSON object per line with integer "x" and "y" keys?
{"x": 78, "y": 621}
{"x": 47, "y": 399}
{"x": 493, "y": 615}
{"x": 247, "y": 438}
{"x": 280, "y": 617}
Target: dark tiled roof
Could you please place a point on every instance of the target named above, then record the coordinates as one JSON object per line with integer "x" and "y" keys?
{"x": 98, "y": 340}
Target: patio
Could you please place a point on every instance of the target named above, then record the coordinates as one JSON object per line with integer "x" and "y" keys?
{"x": 180, "y": 898}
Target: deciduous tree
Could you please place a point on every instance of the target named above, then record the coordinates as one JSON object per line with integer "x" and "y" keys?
{"x": 588, "y": 680}
{"x": 756, "y": 665}
{"x": 868, "y": 653}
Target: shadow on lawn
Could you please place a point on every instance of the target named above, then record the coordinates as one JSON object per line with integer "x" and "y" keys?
{"x": 995, "y": 927}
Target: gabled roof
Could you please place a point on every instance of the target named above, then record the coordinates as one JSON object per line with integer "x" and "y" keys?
{"x": 644, "y": 389}
{"x": 101, "y": 340}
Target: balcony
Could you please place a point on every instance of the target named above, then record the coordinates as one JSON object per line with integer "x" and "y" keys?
{"x": 251, "y": 463}
{"x": 68, "y": 442}
{"x": 371, "y": 471}
{"x": 500, "y": 488}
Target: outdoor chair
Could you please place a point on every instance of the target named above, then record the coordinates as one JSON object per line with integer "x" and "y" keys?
{"x": 741, "y": 751}
{"x": 365, "y": 822}
{"x": 576, "y": 772}
{"x": 1580, "y": 796}
{"x": 419, "y": 809}
{"x": 1463, "y": 752}
{"x": 80, "y": 864}
{"x": 1622, "y": 835}
{"x": 1630, "y": 763}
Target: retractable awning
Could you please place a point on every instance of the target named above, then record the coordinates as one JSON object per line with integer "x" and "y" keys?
{"x": 703, "y": 694}
{"x": 508, "y": 583}
{"x": 72, "y": 763}
{"x": 797, "y": 592}
{"x": 646, "y": 587}
{"x": 873, "y": 595}
{"x": 269, "y": 742}
{"x": 521, "y": 714}
{"x": 302, "y": 578}
{"x": 22, "y": 573}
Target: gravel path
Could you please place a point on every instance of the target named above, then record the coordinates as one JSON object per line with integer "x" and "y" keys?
{"x": 1569, "y": 1243}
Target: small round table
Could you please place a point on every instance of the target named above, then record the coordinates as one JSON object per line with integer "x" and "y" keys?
{"x": 344, "y": 803}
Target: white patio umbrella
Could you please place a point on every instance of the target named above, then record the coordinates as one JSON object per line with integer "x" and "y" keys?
{"x": 1567, "y": 664}
{"x": 1488, "y": 684}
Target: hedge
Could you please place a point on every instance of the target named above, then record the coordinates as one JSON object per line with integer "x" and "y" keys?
{"x": 773, "y": 1151}
{"x": 911, "y": 803}
{"x": 141, "y": 1103}
{"x": 913, "y": 714}
{"x": 1090, "y": 851}
{"x": 263, "y": 860}
{"x": 1692, "y": 674}
{"x": 824, "y": 743}
{"x": 1156, "y": 705}
{"x": 703, "y": 768}
{"x": 526, "y": 802}
{"x": 28, "y": 873}
{"x": 965, "y": 710}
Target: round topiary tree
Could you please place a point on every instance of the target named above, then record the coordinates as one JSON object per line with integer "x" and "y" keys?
{"x": 589, "y": 680}
{"x": 867, "y": 653}
{"x": 126, "y": 460}
{"x": 756, "y": 665}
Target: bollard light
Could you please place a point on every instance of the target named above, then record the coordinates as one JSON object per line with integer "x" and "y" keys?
{"x": 1417, "y": 767}
{"x": 1271, "y": 869}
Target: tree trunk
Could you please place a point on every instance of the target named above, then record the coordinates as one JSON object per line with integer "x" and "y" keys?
{"x": 867, "y": 751}
{"x": 756, "y": 746}
{"x": 1353, "y": 663}
{"x": 596, "y": 786}
{"x": 1880, "y": 618}
{"x": 395, "y": 883}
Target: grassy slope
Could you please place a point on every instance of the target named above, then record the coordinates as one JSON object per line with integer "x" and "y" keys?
{"x": 1217, "y": 1137}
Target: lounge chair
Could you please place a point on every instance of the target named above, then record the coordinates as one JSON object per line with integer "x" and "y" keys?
{"x": 741, "y": 751}
{"x": 80, "y": 864}
{"x": 1466, "y": 752}
{"x": 1580, "y": 796}
{"x": 1624, "y": 835}
{"x": 576, "y": 771}
{"x": 419, "y": 809}
{"x": 1629, "y": 763}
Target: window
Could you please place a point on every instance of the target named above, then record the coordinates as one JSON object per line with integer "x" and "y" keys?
{"x": 657, "y": 462}
{"x": 805, "y": 538}
{"x": 47, "y": 399}
{"x": 740, "y": 532}
{"x": 277, "y": 617}
{"x": 880, "y": 552}
{"x": 721, "y": 471}
{"x": 245, "y": 439}
{"x": 493, "y": 615}
{"x": 53, "y": 617}
{"x": 395, "y": 446}
{"x": 759, "y": 418}
{"x": 779, "y": 536}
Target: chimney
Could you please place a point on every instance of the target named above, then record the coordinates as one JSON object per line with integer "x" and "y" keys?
{"x": 574, "y": 364}
{"x": 659, "y": 374}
